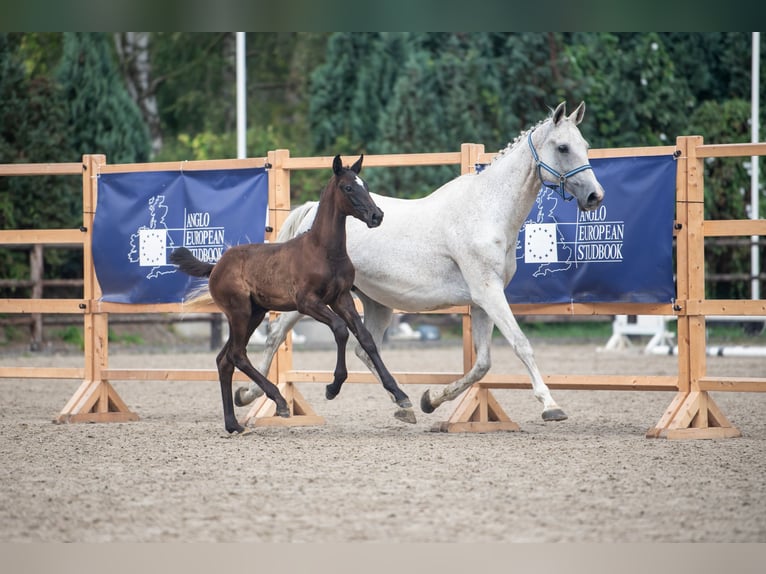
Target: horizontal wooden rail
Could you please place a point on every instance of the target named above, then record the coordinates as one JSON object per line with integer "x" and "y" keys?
{"x": 501, "y": 381}
{"x": 731, "y": 150}
{"x": 16, "y": 169}
{"x": 41, "y": 373}
{"x": 166, "y": 375}
{"x": 75, "y": 306}
{"x": 713, "y": 307}
{"x": 733, "y": 228}
{"x": 383, "y": 160}
{"x": 193, "y": 165}
{"x": 52, "y": 237}
{"x": 736, "y": 384}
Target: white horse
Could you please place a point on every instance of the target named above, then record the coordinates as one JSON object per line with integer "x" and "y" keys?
{"x": 457, "y": 246}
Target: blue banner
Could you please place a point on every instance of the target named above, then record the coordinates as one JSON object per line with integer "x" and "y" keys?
{"x": 141, "y": 217}
{"x": 621, "y": 252}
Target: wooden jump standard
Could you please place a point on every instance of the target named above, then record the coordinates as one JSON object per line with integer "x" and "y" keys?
{"x": 691, "y": 414}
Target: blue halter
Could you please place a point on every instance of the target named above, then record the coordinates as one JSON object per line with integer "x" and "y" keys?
{"x": 559, "y": 187}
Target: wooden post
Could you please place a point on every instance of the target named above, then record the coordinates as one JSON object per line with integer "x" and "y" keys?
{"x": 95, "y": 400}
{"x": 692, "y": 413}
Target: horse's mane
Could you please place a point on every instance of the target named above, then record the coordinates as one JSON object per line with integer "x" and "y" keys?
{"x": 521, "y": 137}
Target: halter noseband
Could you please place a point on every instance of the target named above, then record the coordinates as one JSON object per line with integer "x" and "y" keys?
{"x": 560, "y": 187}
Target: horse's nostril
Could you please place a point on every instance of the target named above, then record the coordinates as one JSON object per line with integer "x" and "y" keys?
{"x": 594, "y": 198}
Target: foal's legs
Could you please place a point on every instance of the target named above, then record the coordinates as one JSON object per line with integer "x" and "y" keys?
{"x": 234, "y": 354}
{"x": 277, "y": 332}
{"x": 345, "y": 308}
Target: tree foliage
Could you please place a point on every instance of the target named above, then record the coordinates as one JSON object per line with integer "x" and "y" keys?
{"x": 351, "y": 93}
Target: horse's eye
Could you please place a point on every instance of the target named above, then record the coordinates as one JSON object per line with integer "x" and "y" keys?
{"x": 564, "y": 148}
{"x": 348, "y": 188}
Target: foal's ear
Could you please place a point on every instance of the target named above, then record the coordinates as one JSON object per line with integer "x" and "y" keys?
{"x": 337, "y": 165}
{"x": 559, "y": 112}
{"x": 357, "y": 167}
{"x": 578, "y": 114}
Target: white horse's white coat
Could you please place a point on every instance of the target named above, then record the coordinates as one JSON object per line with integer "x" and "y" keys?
{"x": 457, "y": 246}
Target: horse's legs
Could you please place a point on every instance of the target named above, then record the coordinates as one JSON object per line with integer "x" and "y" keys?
{"x": 345, "y": 308}
{"x": 314, "y": 308}
{"x": 277, "y": 332}
{"x": 481, "y": 329}
{"x": 234, "y": 354}
{"x": 377, "y": 318}
{"x": 496, "y": 306}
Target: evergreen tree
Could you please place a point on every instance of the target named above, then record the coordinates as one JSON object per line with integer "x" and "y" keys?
{"x": 633, "y": 93}
{"x": 34, "y": 129}
{"x": 103, "y": 117}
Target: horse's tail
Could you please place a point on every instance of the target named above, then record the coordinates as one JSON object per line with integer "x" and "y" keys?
{"x": 192, "y": 266}
{"x": 189, "y": 264}
{"x": 290, "y": 227}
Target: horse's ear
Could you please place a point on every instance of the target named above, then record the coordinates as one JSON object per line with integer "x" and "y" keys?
{"x": 578, "y": 114}
{"x": 559, "y": 112}
{"x": 337, "y": 165}
{"x": 357, "y": 167}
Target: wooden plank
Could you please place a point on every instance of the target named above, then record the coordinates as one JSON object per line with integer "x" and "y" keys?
{"x": 52, "y": 237}
{"x": 731, "y": 150}
{"x": 734, "y": 384}
{"x": 41, "y": 373}
{"x": 700, "y": 433}
{"x": 733, "y": 227}
{"x": 53, "y": 306}
{"x": 383, "y": 160}
{"x": 714, "y": 307}
{"x": 167, "y": 375}
{"x": 16, "y": 169}
{"x": 503, "y": 381}
{"x": 180, "y": 166}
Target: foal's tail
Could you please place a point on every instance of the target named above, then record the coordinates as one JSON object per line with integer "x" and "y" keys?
{"x": 192, "y": 266}
{"x": 290, "y": 227}
{"x": 189, "y": 264}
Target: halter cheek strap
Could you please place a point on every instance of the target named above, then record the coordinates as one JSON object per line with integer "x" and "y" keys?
{"x": 559, "y": 187}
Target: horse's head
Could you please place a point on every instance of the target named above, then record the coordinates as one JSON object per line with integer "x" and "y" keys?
{"x": 354, "y": 197}
{"x": 561, "y": 155}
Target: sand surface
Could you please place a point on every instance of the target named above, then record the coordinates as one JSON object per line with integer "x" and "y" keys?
{"x": 363, "y": 476}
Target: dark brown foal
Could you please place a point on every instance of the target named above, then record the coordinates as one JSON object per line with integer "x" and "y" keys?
{"x": 311, "y": 273}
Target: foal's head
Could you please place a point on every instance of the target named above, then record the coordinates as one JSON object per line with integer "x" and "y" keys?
{"x": 351, "y": 193}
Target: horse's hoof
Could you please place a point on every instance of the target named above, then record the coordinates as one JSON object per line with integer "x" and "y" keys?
{"x": 283, "y": 412}
{"x": 405, "y": 403}
{"x": 425, "y": 403}
{"x": 406, "y": 415}
{"x": 554, "y": 414}
{"x": 236, "y": 430}
{"x": 242, "y": 397}
{"x": 329, "y": 394}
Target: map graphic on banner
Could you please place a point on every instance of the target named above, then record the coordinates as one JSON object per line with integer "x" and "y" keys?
{"x": 620, "y": 252}
{"x": 142, "y": 217}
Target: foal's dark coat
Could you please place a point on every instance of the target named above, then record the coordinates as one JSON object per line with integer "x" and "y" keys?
{"x": 310, "y": 273}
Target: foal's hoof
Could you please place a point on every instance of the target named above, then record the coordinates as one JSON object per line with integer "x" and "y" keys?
{"x": 425, "y": 403}
{"x": 554, "y": 414}
{"x": 406, "y": 415}
{"x": 242, "y": 397}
